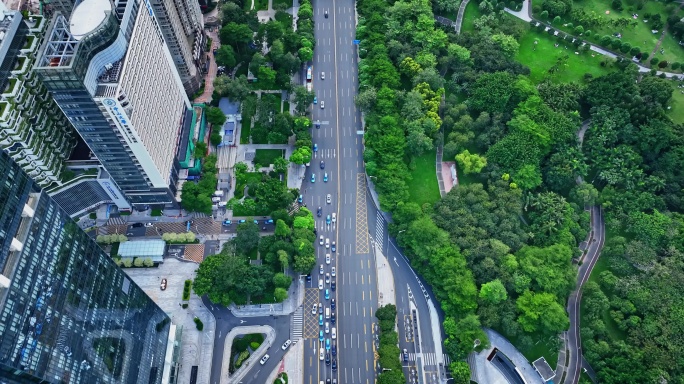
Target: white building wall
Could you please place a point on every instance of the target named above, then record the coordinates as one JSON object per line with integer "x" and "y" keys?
{"x": 156, "y": 96}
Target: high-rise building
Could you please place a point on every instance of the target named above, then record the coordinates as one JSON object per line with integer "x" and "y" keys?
{"x": 68, "y": 314}
{"x": 112, "y": 74}
{"x": 182, "y": 27}
{"x": 33, "y": 130}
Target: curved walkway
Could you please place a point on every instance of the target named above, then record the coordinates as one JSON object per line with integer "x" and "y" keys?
{"x": 252, "y": 359}
{"x": 525, "y": 15}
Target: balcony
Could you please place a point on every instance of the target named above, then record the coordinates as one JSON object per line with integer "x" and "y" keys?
{"x": 4, "y": 111}
{"x": 12, "y": 86}
{"x": 36, "y": 23}
{"x": 21, "y": 66}
{"x": 30, "y": 45}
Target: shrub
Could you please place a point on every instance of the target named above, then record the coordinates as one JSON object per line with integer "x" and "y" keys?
{"x": 644, "y": 56}
{"x": 625, "y": 47}
{"x": 635, "y": 51}
{"x": 92, "y": 215}
{"x": 127, "y": 262}
{"x": 185, "y": 305}
{"x": 570, "y": 25}
{"x": 241, "y": 359}
{"x": 655, "y": 61}
{"x": 616, "y": 5}
{"x": 579, "y": 30}
{"x": 557, "y": 20}
{"x": 605, "y": 40}
{"x": 138, "y": 262}
{"x": 588, "y": 33}
{"x": 675, "y": 65}
{"x": 254, "y": 345}
{"x": 198, "y": 323}
{"x": 186, "y": 290}
{"x": 663, "y": 64}
{"x": 545, "y": 15}
{"x": 156, "y": 212}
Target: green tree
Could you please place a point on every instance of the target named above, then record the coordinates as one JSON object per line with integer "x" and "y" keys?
{"x": 246, "y": 238}
{"x": 460, "y": 371}
{"x": 493, "y": 292}
{"x": 281, "y": 280}
{"x": 200, "y": 150}
{"x": 280, "y": 294}
{"x": 528, "y": 177}
{"x": 508, "y": 44}
{"x": 235, "y": 89}
{"x": 280, "y": 165}
{"x": 215, "y": 116}
{"x": 305, "y": 54}
{"x": 303, "y": 100}
{"x": 282, "y": 230}
{"x": 471, "y": 163}
{"x": 541, "y": 312}
{"x": 225, "y": 56}
{"x": 237, "y": 35}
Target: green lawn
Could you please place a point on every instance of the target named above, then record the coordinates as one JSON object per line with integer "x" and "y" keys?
{"x": 245, "y": 131}
{"x": 638, "y": 35}
{"x": 423, "y": 187}
{"x": 265, "y": 157}
{"x": 472, "y": 12}
{"x": 676, "y": 113}
{"x": 542, "y": 56}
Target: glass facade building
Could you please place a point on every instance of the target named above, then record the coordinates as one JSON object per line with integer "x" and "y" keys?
{"x": 68, "y": 314}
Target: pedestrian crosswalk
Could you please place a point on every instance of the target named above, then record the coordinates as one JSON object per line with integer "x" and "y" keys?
{"x": 325, "y": 154}
{"x": 430, "y": 358}
{"x": 296, "y": 324}
{"x": 116, "y": 220}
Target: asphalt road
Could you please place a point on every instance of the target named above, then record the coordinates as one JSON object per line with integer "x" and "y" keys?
{"x": 225, "y": 321}
{"x": 574, "y": 341}
{"x": 409, "y": 288}
{"x": 340, "y": 147}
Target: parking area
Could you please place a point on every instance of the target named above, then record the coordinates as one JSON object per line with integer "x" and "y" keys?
{"x": 197, "y": 347}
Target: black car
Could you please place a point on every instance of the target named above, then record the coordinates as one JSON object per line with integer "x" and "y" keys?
{"x": 327, "y": 381}
{"x": 322, "y": 164}
{"x": 334, "y": 365}
{"x": 308, "y": 277}
{"x": 327, "y": 359}
{"x": 332, "y": 304}
{"x": 319, "y": 212}
{"x": 326, "y": 14}
{"x": 333, "y": 285}
{"x": 334, "y": 349}
{"x": 137, "y": 225}
{"x": 332, "y": 318}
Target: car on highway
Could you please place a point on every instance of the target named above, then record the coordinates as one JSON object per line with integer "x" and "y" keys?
{"x": 308, "y": 277}
{"x": 327, "y": 278}
{"x": 327, "y": 242}
{"x": 315, "y": 147}
{"x": 320, "y": 308}
{"x": 334, "y": 333}
{"x": 332, "y": 304}
{"x": 327, "y": 294}
{"x": 326, "y": 14}
{"x": 322, "y": 104}
{"x": 327, "y": 344}
{"x": 327, "y": 359}
{"x": 334, "y": 272}
{"x": 320, "y": 284}
{"x": 322, "y": 164}
{"x": 327, "y": 327}
{"x": 286, "y": 344}
{"x": 333, "y": 247}
{"x": 300, "y": 199}
{"x": 322, "y": 75}
{"x": 327, "y": 258}
{"x": 227, "y": 223}
{"x": 320, "y": 270}
{"x": 319, "y": 212}
{"x": 334, "y": 365}
{"x": 314, "y": 309}
{"x": 334, "y": 349}
{"x": 333, "y": 285}
{"x": 320, "y": 320}
{"x": 325, "y": 177}
{"x": 405, "y": 354}
{"x": 322, "y": 353}
{"x": 327, "y": 220}
{"x": 313, "y": 177}
{"x": 334, "y": 217}
{"x": 264, "y": 359}
{"x": 332, "y": 318}
{"x": 328, "y": 199}
{"x": 320, "y": 240}
{"x": 315, "y": 100}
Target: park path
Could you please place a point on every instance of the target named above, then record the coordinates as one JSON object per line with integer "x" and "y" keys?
{"x": 662, "y": 36}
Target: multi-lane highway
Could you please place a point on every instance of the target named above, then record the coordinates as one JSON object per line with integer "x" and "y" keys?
{"x": 340, "y": 148}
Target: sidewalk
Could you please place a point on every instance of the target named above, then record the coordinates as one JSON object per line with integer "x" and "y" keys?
{"x": 385, "y": 279}
{"x": 253, "y": 358}
{"x": 291, "y": 364}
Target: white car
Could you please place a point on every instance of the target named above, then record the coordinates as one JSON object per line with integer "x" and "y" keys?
{"x": 314, "y": 309}
{"x": 327, "y": 328}
{"x": 327, "y": 258}
{"x": 334, "y": 217}
{"x": 327, "y": 243}
{"x": 320, "y": 271}
{"x": 334, "y": 333}
{"x": 328, "y": 198}
{"x": 286, "y": 344}
{"x": 322, "y": 75}
{"x": 320, "y": 240}
{"x": 322, "y": 354}
{"x": 320, "y": 284}
{"x": 333, "y": 274}
{"x": 327, "y": 278}
{"x": 264, "y": 359}
{"x": 322, "y": 104}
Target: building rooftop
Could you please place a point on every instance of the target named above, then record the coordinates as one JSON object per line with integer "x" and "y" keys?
{"x": 153, "y": 249}
{"x": 544, "y": 369}
{"x": 87, "y": 17}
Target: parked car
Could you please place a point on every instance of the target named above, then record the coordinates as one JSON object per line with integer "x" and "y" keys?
{"x": 162, "y": 286}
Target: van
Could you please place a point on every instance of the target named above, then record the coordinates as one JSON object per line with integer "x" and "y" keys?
{"x": 327, "y": 313}
{"x": 222, "y": 203}
{"x": 218, "y": 193}
{"x": 215, "y": 199}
